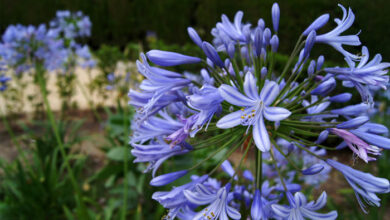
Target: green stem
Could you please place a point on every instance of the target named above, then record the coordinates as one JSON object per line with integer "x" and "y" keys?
{"x": 277, "y": 169}
{"x": 83, "y": 213}
{"x": 259, "y": 168}
{"x": 125, "y": 161}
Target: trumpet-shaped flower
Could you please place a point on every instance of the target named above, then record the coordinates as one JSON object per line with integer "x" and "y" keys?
{"x": 364, "y": 184}
{"x": 299, "y": 208}
{"x": 218, "y": 208}
{"x": 333, "y": 37}
{"x": 255, "y": 107}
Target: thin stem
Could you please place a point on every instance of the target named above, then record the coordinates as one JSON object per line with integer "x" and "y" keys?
{"x": 277, "y": 169}
{"x": 259, "y": 168}
{"x": 125, "y": 161}
{"x": 242, "y": 159}
{"x": 83, "y": 213}
{"x": 227, "y": 156}
{"x": 284, "y": 155}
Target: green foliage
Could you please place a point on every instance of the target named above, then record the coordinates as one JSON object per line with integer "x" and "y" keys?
{"x": 39, "y": 187}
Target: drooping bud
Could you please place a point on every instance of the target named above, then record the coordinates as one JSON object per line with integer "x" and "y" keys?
{"x": 212, "y": 54}
{"x": 167, "y": 178}
{"x": 340, "y": 98}
{"x": 314, "y": 169}
{"x": 325, "y": 87}
{"x": 354, "y": 123}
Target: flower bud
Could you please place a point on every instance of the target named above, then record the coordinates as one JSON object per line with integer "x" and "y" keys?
{"x": 274, "y": 43}
{"x": 167, "y": 178}
{"x": 275, "y": 16}
{"x": 212, "y": 54}
{"x": 314, "y": 169}
{"x": 194, "y": 36}
{"x": 167, "y": 58}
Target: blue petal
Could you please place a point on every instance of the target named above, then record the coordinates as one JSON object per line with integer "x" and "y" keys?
{"x": 250, "y": 87}
{"x": 373, "y": 139}
{"x": 230, "y": 120}
{"x": 233, "y": 96}
{"x": 260, "y": 135}
{"x": 269, "y": 92}
{"x": 276, "y": 113}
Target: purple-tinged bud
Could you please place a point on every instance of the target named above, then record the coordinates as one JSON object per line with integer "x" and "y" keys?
{"x": 263, "y": 72}
{"x": 320, "y": 62}
{"x": 376, "y": 128}
{"x": 247, "y": 32}
{"x": 210, "y": 63}
{"x": 325, "y": 87}
{"x": 212, "y": 54}
{"x": 275, "y": 16}
{"x": 317, "y": 24}
{"x": 314, "y": 169}
{"x": 231, "y": 49}
{"x": 310, "y": 40}
{"x": 274, "y": 43}
{"x": 167, "y": 58}
{"x": 245, "y": 54}
{"x": 373, "y": 139}
{"x": 353, "y": 123}
{"x": 261, "y": 24}
{"x": 257, "y": 207}
{"x": 267, "y": 36}
{"x": 258, "y": 41}
{"x": 322, "y": 137}
{"x": 352, "y": 110}
{"x": 167, "y": 178}
{"x": 311, "y": 68}
{"x": 227, "y": 63}
{"x": 341, "y": 98}
{"x": 263, "y": 54}
{"x": 227, "y": 167}
{"x": 194, "y": 36}
{"x": 248, "y": 175}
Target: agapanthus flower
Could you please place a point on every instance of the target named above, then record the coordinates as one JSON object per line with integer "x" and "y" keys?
{"x": 299, "y": 208}
{"x": 218, "y": 207}
{"x": 281, "y": 120}
{"x": 255, "y": 107}
{"x": 365, "y": 185}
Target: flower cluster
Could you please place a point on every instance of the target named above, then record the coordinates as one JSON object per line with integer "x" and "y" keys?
{"x": 287, "y": 118}
{"x": 23, "y": 47}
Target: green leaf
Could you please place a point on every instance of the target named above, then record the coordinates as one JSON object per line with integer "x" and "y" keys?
{"x": 117, "y": 153}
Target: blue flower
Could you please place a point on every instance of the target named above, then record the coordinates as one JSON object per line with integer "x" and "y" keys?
{"x": 333, "y": 37}
{"x": 364, "y": 184}
{"x": 218, "y": 208}
{"x": 175, "y": 197}
{"x": 358, "y": 146}
{"x": 372, "y": 73}
{"x": 208, "y": 101}
{"x": 156, "y": 154}
{"x": 256, "y": 107}
{"x": 299, "y": 208}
